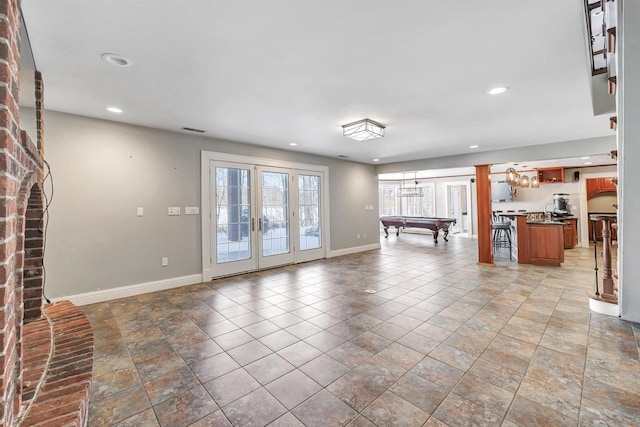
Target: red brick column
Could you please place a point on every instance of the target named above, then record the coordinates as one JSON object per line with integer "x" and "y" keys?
{"x": 20, "y": 173}
{"x": 9, "y": 186}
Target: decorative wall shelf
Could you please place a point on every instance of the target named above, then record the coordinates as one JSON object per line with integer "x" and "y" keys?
{"x": 550, "y": 175}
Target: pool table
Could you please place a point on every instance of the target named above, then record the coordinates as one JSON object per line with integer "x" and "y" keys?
{"x": 433, "y": 224}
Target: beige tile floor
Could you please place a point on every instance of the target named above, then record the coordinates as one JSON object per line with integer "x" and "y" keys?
{"x": 444, "y": 341}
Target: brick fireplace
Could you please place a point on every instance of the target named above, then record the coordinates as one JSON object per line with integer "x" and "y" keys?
{"x": 46, "y": 352}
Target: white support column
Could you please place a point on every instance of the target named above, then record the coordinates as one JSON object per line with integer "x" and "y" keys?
{"x": 628, "y": 108}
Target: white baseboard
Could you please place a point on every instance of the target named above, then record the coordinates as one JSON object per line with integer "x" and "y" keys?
{"x": 604, "y": 307}
{"x": 131, "y": 290}
{"x": 354, "y": 250}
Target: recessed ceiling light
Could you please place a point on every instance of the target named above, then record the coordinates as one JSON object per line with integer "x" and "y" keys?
{"x": 376, "y": 160}
{"x": 588, "y": 163}
{"x": 585, "y": 158}
{"x": 498, "y": 90}
{"x": 114, "y": 110}
{"x": 293, "y": 144}
{"x": 473, "y": 146}
{"x": 117, "y": 60}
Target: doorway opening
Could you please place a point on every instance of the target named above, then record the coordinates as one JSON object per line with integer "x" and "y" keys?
{"x": 458, "y": 206}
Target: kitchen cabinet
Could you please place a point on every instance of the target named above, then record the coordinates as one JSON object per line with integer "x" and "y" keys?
{"x": 599, "y": 185}
{"x": 570, "y": 232}
{"x": 550, "y": 175}
{"x": 546, "y": 244}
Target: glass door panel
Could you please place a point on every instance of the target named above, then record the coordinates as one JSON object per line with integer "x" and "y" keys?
{"x": 232, "y": 220}
{"x": 274, "y": 224}
{"x": 310, "y": 228}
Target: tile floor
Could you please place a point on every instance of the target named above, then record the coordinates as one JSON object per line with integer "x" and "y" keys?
{"x": 442, "y": 342}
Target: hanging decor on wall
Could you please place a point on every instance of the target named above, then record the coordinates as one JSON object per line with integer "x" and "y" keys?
{"x": 410, "y": 191}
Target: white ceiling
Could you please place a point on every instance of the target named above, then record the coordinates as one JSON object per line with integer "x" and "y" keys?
{"x": 273, "y": 72}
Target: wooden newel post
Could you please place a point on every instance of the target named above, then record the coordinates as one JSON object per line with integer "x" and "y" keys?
{"x": 607, "y": 277}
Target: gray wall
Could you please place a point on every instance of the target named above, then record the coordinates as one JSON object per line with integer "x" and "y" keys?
{"x": 104, "y": 170}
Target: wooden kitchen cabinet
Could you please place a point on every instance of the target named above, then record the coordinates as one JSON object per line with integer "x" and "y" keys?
{"x": 545, "y": 244}
{"x": 570, "y": 230}
{"x": 599, "y": 185}
{"x": 550, "y": 175}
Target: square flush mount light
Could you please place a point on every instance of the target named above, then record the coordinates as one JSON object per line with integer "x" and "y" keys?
{"x": 363, "y": 130}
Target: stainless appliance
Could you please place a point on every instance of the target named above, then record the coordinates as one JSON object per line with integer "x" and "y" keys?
{"x": 561, "y": 206}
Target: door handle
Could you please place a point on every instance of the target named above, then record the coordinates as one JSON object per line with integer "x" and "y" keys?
{"x": 259, "y": 224}
{"x": 253, "y": 224}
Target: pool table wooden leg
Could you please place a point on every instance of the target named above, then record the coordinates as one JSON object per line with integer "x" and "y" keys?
{"x": 435, "y": 236}
{"x": 445, "y": 234}
{"x": 386, "y": 231}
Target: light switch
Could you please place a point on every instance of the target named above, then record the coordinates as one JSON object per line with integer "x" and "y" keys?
{"x": 140, "y": 211}
{"x": 191, "y": 210}
{"x": 174, "y": 210}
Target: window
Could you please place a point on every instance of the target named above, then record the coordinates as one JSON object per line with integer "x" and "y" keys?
{"x": 388, "y": 201}
{"x": 391, "y": 204}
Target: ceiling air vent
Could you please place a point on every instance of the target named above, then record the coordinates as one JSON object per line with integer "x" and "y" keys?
{"x": 193, "y": 130}
{"x": 342, "y": 156}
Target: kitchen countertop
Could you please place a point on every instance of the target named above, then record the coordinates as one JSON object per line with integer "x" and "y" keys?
{"x": 545, "y": 222}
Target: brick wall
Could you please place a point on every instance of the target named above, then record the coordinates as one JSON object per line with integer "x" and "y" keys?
{"x": 21, "y": 241}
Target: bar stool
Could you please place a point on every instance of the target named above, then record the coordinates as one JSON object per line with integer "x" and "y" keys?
{"x": 501, "y": 234}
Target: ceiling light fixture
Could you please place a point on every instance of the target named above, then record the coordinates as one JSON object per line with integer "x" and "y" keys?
{"x": 114, "y": 110}
{"x": 292, "y": 144}
{"x": 410, "y": 191}
{"x": 363, "y": 130}
{"x": 512, "y": 176}
{"x": 117, "y": 60}
{"x": 376, "y": 160}
{"x": 474, "y": 146}
{"x": 498, "y": 90}
{"x": 588, "y": 163}
{"x": 524, "y": 181}
{"x": 585, "y": 158}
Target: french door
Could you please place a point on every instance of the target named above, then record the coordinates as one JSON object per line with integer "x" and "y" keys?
{"x": 274, "y": 217}
{"x": 263, "y": 217}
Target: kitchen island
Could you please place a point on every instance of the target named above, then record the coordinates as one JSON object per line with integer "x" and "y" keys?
{"x": 538, "y": 242}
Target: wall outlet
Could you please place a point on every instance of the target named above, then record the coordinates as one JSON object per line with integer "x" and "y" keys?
{"x": 140, "y": 212}
{"x": 174, "y": 210}
{"x": 165, "y": 261}
{"x": 191, "y": 210}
